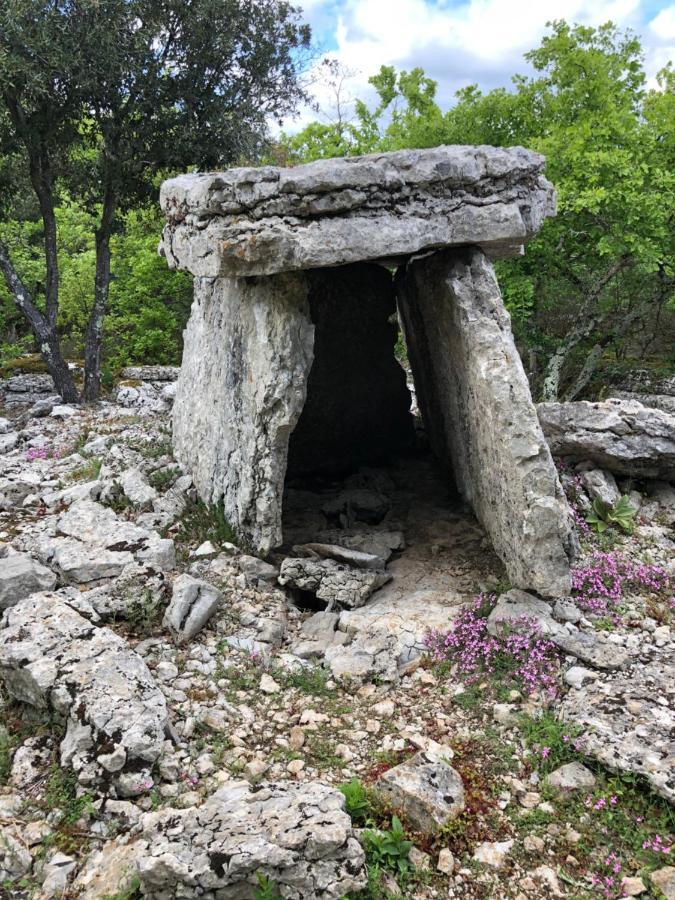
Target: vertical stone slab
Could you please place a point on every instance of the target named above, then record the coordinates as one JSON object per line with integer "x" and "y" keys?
{"x": 479, "y": 414}
{"x": 248, "y": 350}
{"x": 358, "y": 406}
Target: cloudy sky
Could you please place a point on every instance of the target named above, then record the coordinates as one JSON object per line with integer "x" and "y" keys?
{"x": 459, "y": 42}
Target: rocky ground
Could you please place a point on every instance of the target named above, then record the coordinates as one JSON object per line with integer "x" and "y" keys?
{"x": 179, "y": 715}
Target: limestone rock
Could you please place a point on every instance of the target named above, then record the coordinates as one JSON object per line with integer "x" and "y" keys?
{"x": 193, "y": 602}
{"x": 137, "y": 489}
{"x": 8, "y": 441}
{"x": 334, "y": 582}
{"x": 20, "y": 575}
{"x": 622, "y": 436}
{"x": 56, "y": 875}
{"x": 628, "y": 720}
{"x": 298, "y": 835}
{"x": 15, "y": 859}
{"x": 78, "y": 563}
{"x": 267, "y": 220}
{"x": 108, "y": 871}
{"x": 229, "y": 431}
{"x": 98, "y": 526}
{"x": 457, "y": 331}
{"x": 493, "y": 854}
{"x": 356, "y": 558}
{"x": 53, "y": 657}
{"x": 571, "y": 777}
{"x": 150, "y": 373}
{"x": 601, "y": 485}
{"x": 516, "y": 609}
{"x": 427, "y": 790}
{"x": 664, "y": 880}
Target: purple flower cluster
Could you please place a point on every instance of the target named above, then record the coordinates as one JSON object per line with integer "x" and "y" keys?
{"x": 657, "y": 845}
{"x": 38, "y": 453}
{"x": 522, "y": 653}
{"x": 607, "y": 881}
{"x": 599, "y": 583}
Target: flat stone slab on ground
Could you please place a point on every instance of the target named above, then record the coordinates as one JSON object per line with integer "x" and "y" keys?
{"x": 622, "y": 436}
{"x": 298, "y": 835}
{"x": 628, "y": 721}
{"x": 20, "y": 576}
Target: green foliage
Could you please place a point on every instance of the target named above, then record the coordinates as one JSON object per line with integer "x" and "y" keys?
{"x": 61, "y": 793}
{"x": 266, "y": 890}
{"x": 356, "y": 798}
{"x": 601, "y": 272}
{"x": 200, "y": 523}
{"x": 552, "y": 742}
{"x": 389, "y": 848}
{"x": 605, "y": 515}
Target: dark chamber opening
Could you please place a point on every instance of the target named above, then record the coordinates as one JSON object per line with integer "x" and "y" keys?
{"x": 357, "y": 410}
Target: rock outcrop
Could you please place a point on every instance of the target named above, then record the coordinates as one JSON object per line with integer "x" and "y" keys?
{"x": 54, "y": 657}
{"x": 298, "y": 836}
{"x": 260, "y": 221}
{"x": 623, "y": 436}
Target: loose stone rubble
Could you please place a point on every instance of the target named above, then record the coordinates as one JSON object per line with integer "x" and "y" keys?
{"x": 295, "y": 700}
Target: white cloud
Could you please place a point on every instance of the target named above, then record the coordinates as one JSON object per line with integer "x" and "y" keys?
{"x": 479, "y": 41}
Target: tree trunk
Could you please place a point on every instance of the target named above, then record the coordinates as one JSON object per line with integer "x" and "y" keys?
{"x": 586, "y": 373}
{"x": 44, "y": 330}
{"x": 587, "y": 321}
{"x": 92, "y": 346}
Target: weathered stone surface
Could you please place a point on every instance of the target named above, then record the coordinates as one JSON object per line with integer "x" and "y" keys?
{"x": 357, "y": 409}
{"x": 355, "y": 558}
{"x": 78, "y": 563}
{"x": 601, "y": 485}
{"x": 331, "y": 212}
{"x": 193, "y": 602}
{"x": 628, "y": 720}
{"x": 427, "y": 790}
{"x": 247, "y": 355}
{"x": 571, "y": 777}
{"x": 336, "y": 583}
{"x": 622, "y": 436}
{"x": 664, "y": 880}
{"x": 137, "y": 489}
{"x": 298, "y": 835}
{"x": 53, "y": 657}
{"x": 20, "y": 575}
{"x": 151, "y": 373}
{"x": 477, "y": 407}
{"x": 98, "y": 526}
{"x": 493, "y": 854}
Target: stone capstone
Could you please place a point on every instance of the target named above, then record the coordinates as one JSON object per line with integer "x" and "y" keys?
{"x": 298, "y": 835}
{"x": 52, "y": 657}
{"x": 622, "y": 436}
{"x": 425, "y": 789}
{"x": 260, "y": 221}
{"x": 476, "y": 404}
{"x": 336, "y": 583}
